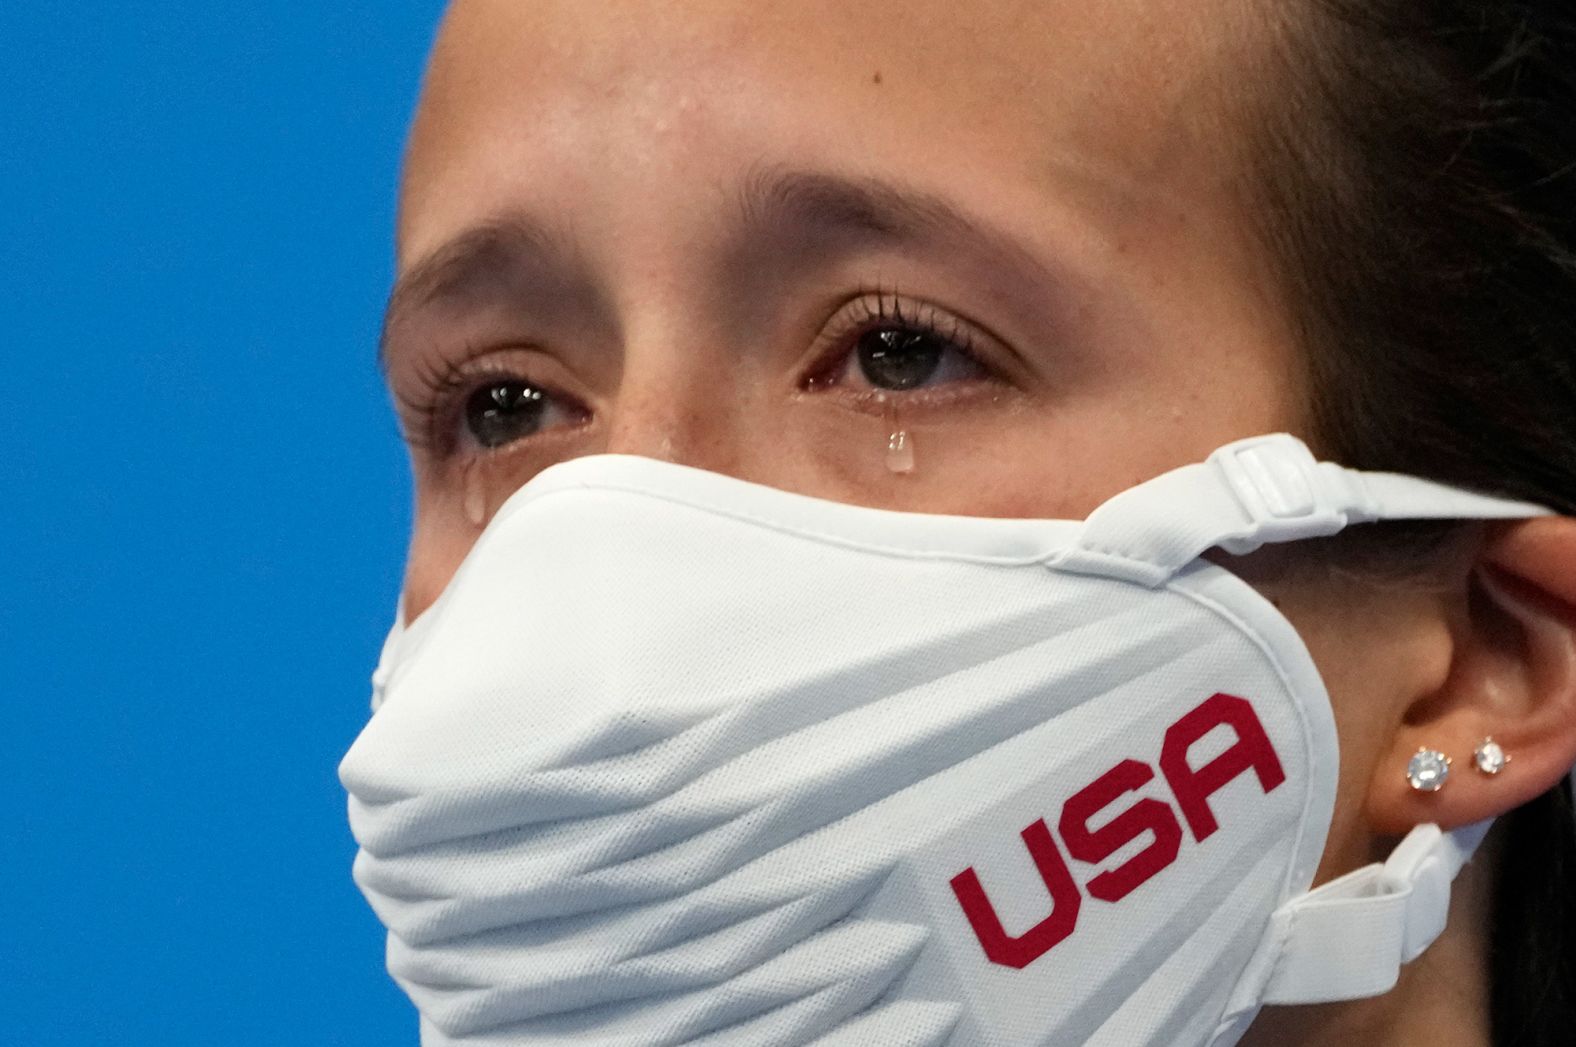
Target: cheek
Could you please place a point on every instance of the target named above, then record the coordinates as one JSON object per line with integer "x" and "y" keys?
{"x": 1378, "y": 652}
{"x": 439, "y": 543}
{"x": 1362, "y": 694}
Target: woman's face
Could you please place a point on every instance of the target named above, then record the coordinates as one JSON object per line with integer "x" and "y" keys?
{"x": 759, "y": 238}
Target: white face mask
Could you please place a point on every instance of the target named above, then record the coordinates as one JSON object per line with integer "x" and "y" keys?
{"x": 681, "y": 759}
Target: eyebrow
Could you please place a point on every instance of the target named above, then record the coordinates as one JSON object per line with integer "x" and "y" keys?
{"x": 818, "y": 207}
{"x": 480, "y": 263}
{"x": 775, "y": 206}
{"x": 771, "y": 196}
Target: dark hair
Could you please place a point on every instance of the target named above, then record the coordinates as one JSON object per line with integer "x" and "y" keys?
{"x": 1417, "y": 185}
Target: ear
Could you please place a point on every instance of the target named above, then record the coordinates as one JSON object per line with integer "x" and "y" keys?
{"x": 1512, "y": 677}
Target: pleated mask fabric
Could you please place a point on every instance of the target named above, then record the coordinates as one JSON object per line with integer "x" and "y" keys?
{"x": 679, "y": 759}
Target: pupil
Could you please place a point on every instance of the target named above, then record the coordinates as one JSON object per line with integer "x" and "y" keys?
{"x": 892, "y": 358}
{"x": 503, "y": 412}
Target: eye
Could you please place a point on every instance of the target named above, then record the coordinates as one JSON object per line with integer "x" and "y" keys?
{"x": 888, "y": 346}
{"x": 504, "y": 410}
{"x": 899, "y": 359}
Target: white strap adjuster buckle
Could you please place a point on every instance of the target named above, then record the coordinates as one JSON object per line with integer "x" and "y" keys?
{"x": 1348, "y": 938}
{"x": 1421, "y": 870}
{"x": 1279, "y": 485}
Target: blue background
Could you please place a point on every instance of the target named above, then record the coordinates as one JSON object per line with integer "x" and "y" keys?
{"x": 203, "y": 512}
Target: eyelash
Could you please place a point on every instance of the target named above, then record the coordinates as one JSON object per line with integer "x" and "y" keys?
{"x": 431, "y": 418}
{"x": 881, "y": 307}
{"x": 444, "y": 383}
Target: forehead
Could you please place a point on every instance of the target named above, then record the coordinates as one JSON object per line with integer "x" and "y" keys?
{"x": 1117, "y": 107}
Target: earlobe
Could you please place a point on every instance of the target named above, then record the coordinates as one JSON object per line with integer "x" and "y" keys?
{"x": 1512, "y": 678}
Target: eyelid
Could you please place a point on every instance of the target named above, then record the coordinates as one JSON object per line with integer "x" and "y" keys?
{"x": 883, "y": 306}
{"x": 431, "y": 414}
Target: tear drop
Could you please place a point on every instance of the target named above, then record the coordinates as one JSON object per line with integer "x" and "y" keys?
{"x": 474, "y": 499}
{"x": 900, "y": 446}
{"x": 900, "y": 452}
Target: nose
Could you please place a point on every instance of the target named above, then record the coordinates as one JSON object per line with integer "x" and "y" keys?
{"x": 687, "y": 415}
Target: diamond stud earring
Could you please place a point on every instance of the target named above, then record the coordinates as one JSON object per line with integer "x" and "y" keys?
{"x": 1428, "y": 770}
{"x": 1490, "y": 758}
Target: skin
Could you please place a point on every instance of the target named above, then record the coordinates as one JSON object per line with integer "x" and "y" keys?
{"x": 1123, "y": 318}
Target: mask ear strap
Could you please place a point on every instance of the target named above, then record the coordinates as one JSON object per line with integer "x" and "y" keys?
{"x": 1256, "y": 491}
{"x": 1348, "y": 939}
